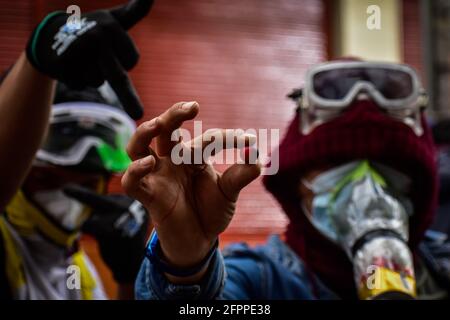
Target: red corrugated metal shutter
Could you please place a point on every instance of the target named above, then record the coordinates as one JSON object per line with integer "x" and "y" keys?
{"x": 15, "y": 27}
{"x": 237, "y": 59}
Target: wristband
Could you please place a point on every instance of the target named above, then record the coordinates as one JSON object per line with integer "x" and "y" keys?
{"x": 31, "y": 47}
{"x": 153, "y": 253}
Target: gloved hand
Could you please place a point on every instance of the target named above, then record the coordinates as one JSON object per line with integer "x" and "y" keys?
{"x": 120, "y": 225}
{"x": 87, "y": 53}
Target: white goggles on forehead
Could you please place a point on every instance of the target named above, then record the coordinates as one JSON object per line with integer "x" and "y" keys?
{"x": 332, "y": 87}
{"x": 76, "y": 128}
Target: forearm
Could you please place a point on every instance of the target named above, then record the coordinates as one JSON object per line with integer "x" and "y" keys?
{"x": 25, "y": 100}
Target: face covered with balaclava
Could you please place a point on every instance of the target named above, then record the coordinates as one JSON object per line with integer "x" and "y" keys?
{"x": 49, "y": 211}
{"x": 84, "y": 146}
{"x": 362, "y": 157}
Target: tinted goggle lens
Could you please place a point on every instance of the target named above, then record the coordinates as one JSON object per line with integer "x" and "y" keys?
{"x": 65, "y": 141}
{"x": 64, "y": 135}
{"x": 336, "y": 84}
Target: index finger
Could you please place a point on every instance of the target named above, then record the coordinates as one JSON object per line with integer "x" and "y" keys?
{"x": 132, "y": 12}
{"x": 161, "y": 128}
{"x": 118, "y": 79}
{"x": 139, "y": 144}
{"x": 171, "y": 120}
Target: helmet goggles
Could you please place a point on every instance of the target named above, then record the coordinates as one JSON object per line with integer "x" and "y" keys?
{"x": 79, "y": 130}
{"x": 332, "y": 87}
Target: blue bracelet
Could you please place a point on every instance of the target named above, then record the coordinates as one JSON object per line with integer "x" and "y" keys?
{"x": 152, "y": 252}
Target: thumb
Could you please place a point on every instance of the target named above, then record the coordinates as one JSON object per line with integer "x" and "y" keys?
{"x": 236, "y": 177}
{"x": 131, "y": 13}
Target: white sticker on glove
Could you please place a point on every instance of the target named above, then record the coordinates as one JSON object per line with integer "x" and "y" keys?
{"x": 70, "y": 32}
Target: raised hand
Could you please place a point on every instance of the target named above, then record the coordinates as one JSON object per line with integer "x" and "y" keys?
{"x": 96, "y": 49}
{"x": 189, "y": 204}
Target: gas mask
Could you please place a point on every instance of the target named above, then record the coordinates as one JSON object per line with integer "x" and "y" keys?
{"x": 69, "y": 213}
{"x": 48, "y": 213}
{"x": 363, "y": 207}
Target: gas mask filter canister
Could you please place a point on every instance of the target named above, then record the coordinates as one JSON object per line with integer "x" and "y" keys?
{"x": 363, "y": 208}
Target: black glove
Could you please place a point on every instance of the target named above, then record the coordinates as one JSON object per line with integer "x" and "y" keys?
{"x": 92, "y": 51}
{"x": 120, "y": 225}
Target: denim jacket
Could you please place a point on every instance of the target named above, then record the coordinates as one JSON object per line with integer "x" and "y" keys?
{"x": 271, "y": 271}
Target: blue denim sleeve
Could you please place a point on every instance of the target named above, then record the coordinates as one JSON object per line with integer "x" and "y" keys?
{"x": 244, "y": 278}
{"x": 230, "y": 278}
{"x": 151, "y": 283}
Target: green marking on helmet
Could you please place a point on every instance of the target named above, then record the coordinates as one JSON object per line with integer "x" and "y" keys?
{"x": 114, "y": 159}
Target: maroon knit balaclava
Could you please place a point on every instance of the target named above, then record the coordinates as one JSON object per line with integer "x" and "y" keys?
{"x": 363, "y": 131}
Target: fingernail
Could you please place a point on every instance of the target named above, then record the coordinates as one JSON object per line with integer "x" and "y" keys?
{"x": 145, "y": 162}
{"x": 188, "y": 105}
